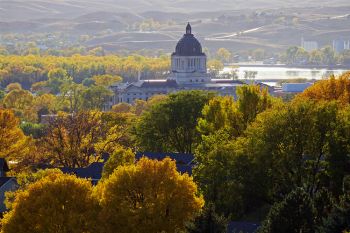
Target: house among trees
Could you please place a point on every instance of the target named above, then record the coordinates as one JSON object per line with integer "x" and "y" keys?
{"x": 92, "y": 172}
{"x": 184, "y": 164}
{"x": 6, "y": 184}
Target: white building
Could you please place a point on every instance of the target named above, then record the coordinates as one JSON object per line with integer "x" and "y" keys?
{"x": 309, "y": 45}
{"x": 340, "y": 45}
{"x": 295, "y": 87}
{"x": 188, "y": 72}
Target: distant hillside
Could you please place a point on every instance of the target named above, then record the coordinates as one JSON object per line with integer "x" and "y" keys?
{"x": 119, "y": 25}
{"x": 17, "y": 10}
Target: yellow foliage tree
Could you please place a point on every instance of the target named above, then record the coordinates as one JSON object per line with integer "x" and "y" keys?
{"x": 55, "y": 204}
{"x": 119, "y": 157}
{"x": 215, "y": 66}
{"x": 121, "y": 108}
{"x": 223, "y": 55}
{"x": 150, "y": 196}
{"x": 13, "y": 86}
{"x": 13, "y": 143}
{"x": 106, "y": 80}
{"x": 19, "y": 101}
{"x": 221, "y": 113}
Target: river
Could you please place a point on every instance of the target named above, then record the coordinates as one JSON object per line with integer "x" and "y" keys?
{"x": 271, "y": 75}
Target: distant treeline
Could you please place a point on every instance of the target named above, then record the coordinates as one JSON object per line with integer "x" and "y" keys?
{"x": 31, "y": 69}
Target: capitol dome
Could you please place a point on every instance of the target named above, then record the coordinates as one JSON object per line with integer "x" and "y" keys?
{"x": 188, "y": 45}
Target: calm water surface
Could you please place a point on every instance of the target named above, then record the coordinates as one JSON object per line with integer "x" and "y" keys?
{"x": 270, "y": 74}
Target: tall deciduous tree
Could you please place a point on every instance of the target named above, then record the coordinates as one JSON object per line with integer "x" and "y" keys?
{"x": 170, "y": 125}
{"x": 252, "y": 100}
{"x": 150, "y": 196}
{"x": 95, "y": 97}
{"x": 221, "y": 113}
{"x": 14, "y": 143}
{"x": 20, "y": 102}
{"x": 78, "y": 139}
{"x": 302, "y": 144}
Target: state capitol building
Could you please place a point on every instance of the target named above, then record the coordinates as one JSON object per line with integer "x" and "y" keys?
{"x": 188, "y": 72}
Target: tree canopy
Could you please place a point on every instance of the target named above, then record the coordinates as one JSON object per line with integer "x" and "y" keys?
{"x": 150, "y": 193}
{"x": 54, "y": 204}
{"x": 170, "y": 125}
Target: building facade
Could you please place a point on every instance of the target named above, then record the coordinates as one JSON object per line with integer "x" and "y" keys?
{"x": 188, "y": 72}
{"x": 309, "y": 45}
{"x": 340, "y": 45}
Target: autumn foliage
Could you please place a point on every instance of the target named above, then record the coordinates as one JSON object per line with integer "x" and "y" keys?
{"x": 12, "y": 140}
{"x": 330, "y": 89}
{"x": 150, "y": 196}
{"x": 55, "y": 204}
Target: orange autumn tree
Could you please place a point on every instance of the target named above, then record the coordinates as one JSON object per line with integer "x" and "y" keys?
{"x": 330, "y": 89}
{"x": 150, "y": 196}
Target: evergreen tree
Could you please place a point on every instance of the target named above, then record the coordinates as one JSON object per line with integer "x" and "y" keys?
{"x": 295, "y": 214}
{"x": 339, "y": 219}
{"x": 208, "y": 222}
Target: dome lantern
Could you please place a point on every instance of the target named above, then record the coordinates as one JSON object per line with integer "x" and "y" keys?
{"x": 188, "y": 29}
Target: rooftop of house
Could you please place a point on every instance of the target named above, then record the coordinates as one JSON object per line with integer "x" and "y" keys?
{"x": 93, "y": 171}
{"x": 3, "y": 165}
{"x": 244, "y": 227}
{"x": 4, "y": 180}
{"x": 184, "y": 164}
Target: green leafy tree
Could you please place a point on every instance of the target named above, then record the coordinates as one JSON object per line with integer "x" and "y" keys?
{"x": 56, "y": 78}
{"x": 95, "y": 97}
{"x": 329, "y": 56}
{"x": 170, "y": 125}
{"x": 228, "y": 178}
{"x": 221, "y": 113}
{"x": 252, "y": 100}
{"x": 71, "y": 97}
{"x": 33, "y": 130}
{"x": 323, "y": 202}
{"x": 291, "y": 140}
